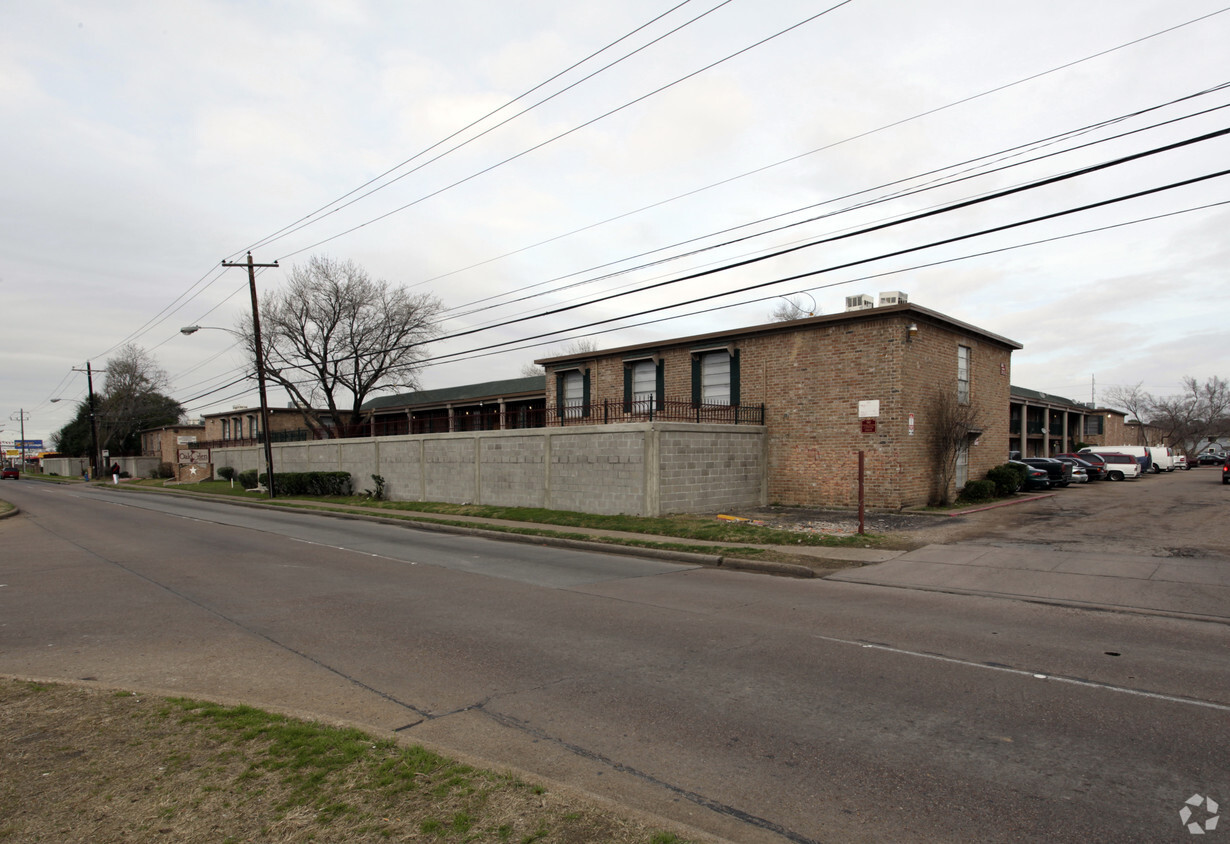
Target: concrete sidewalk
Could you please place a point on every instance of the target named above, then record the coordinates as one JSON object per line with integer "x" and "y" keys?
{"x": 1197, "y": 588}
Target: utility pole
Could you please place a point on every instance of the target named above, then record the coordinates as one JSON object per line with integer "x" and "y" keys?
{"x": 89, "y": 377}
{"x": 260, "y": 363}
{"x": 21, "y": 417}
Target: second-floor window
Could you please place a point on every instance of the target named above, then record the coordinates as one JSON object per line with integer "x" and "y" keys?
{"x": 963, "y": 374}
{"x": 572, "y": 393}
{"x": 226, "y": 429}
{"x": 715, "y": 378}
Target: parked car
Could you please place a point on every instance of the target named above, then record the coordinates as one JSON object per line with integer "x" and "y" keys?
{"x": 1094, "y": 471}
{"x": 10, "y": 472}
{"x": 1035, "y": 478}
{"x": 1162, "y": 457}
{"x": 1139, "y": 452}
{"x": 1180, "y": 462}
{"x": 1225, "y": 472}
{"x": 1121, "y": 466}
{"x": 1211, "y": 458}
{"x": 1059, "y": 471}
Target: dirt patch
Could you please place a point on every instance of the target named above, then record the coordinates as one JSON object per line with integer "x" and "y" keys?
{"x": 83, "y": 765}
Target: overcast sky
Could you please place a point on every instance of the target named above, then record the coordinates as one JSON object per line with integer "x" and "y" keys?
{"x": 145, "y": 142}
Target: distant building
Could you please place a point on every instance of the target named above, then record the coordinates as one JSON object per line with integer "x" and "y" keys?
{"x": 166, "y": 442}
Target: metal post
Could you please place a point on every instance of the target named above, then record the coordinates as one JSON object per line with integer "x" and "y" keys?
{"x": 860, "y": 493}
{"x": 260, "y": 365}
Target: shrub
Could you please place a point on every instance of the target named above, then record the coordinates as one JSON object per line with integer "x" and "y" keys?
{"x": 247, "y": 479}
{"x": 309, "y": 483}
{"x": 165, "y": 470}
{"x": 1007, "y": 479}
{"x": 378, "y": 495}
{"x": 227, "y": 473}
{"x": 977, "y": 491}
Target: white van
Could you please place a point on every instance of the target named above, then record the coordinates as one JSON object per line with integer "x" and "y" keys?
{"x": 1139, "y": 452}
{"x": 1162, "y": 457}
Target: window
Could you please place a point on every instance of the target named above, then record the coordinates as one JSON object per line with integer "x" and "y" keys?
{"x": 963, "y": 374}
{"x": 572, "y": 393}
{"x": 715, "y": 377}
{"x": 962, "y": 465}
{"x": 1093, "y": 426}
{"x": 643, "y": 386}
{"x": 252, "y": 427}
{"x": 226, "y": 429}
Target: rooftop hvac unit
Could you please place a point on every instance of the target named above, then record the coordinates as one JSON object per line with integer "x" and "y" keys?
{"x": 861, "y": 302}
{"x": 893, "y": 297}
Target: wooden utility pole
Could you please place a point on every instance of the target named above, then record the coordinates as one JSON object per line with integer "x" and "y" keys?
{"x": 260, "y": 363}
{"x": 89, "y": 377}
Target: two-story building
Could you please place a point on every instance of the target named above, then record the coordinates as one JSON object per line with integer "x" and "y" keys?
{"x": 825, "y": 388}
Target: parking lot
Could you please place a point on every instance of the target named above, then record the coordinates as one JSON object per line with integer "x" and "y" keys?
{"x": 1175, "y": 514}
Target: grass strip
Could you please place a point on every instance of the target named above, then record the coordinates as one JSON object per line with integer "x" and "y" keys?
{"x": 85, "y": 764}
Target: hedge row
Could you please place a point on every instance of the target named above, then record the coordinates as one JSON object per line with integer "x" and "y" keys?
{"x": 309, "y": 483}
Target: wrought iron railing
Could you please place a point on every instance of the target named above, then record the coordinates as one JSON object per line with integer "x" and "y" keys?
{"x": 606, "y": 412}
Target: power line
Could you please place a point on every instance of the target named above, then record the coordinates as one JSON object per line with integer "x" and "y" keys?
{"x": 1044, "y": 182}
{"x": 571, "y": 131}
{"x": 946, "y": 241}
{"x": 307, "y": 220}
{"x": 485, "y": 306}
{"x": 857, "y": 262}
{"x": 834, "y": 144}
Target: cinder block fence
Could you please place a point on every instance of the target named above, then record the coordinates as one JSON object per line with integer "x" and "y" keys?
{"x": 640, "y": 469}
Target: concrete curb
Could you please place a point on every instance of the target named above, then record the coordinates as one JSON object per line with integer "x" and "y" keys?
{"x": 8, "y": 514}
{"x": 993, "y": 506}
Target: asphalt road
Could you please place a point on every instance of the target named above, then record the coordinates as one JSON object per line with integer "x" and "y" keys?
{"x": 751, "y": 707}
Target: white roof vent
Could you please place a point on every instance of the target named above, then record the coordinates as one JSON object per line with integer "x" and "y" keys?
{"x": 893, "y": 297}
{"x": 861, "y": 302}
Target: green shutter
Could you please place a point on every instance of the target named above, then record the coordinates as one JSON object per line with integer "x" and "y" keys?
{"x": 695, "y": 381}
{"x": 734, "y": 377}
{"x": 627, "y": 388}
{"x": 660, "y": 384}
{"x": 585, "y": 393}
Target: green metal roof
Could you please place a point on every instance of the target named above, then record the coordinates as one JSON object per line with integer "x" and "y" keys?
{"x": 510, "y": 387}
{"x": 1050, "y": 398}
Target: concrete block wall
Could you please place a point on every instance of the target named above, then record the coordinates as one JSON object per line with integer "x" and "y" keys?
{"x": 449, "y": 468}
{"x": 512, "y": 471}
{"x": 602, "y": 466}
{"x": 722, "y": 467}
{"x": 643, "y": 469}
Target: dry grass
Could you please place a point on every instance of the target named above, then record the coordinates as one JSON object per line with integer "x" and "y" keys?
{"x": 92, "y": 766}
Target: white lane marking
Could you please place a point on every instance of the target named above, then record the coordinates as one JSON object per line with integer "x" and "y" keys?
{"x": 1089, "y": 684}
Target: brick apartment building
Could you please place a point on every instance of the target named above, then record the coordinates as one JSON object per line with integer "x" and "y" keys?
{"x": 165, "y": 442}
{"x": 242, "y": 424}
{"x": 829, "y": 387}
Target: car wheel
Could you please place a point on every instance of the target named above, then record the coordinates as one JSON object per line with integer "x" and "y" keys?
{"x": 1115, "y": 476}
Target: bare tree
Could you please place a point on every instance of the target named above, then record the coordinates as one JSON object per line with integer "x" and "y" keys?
{"x": 1210, "y": 414}
{"x": 133, "y": 398}
{"x": 792, "y": 307}
{"x": 1134, "y": 400}
{"x": 577, "y": 347}
{"x": 334, "y": 336}
{"x": 952, "y": 425}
